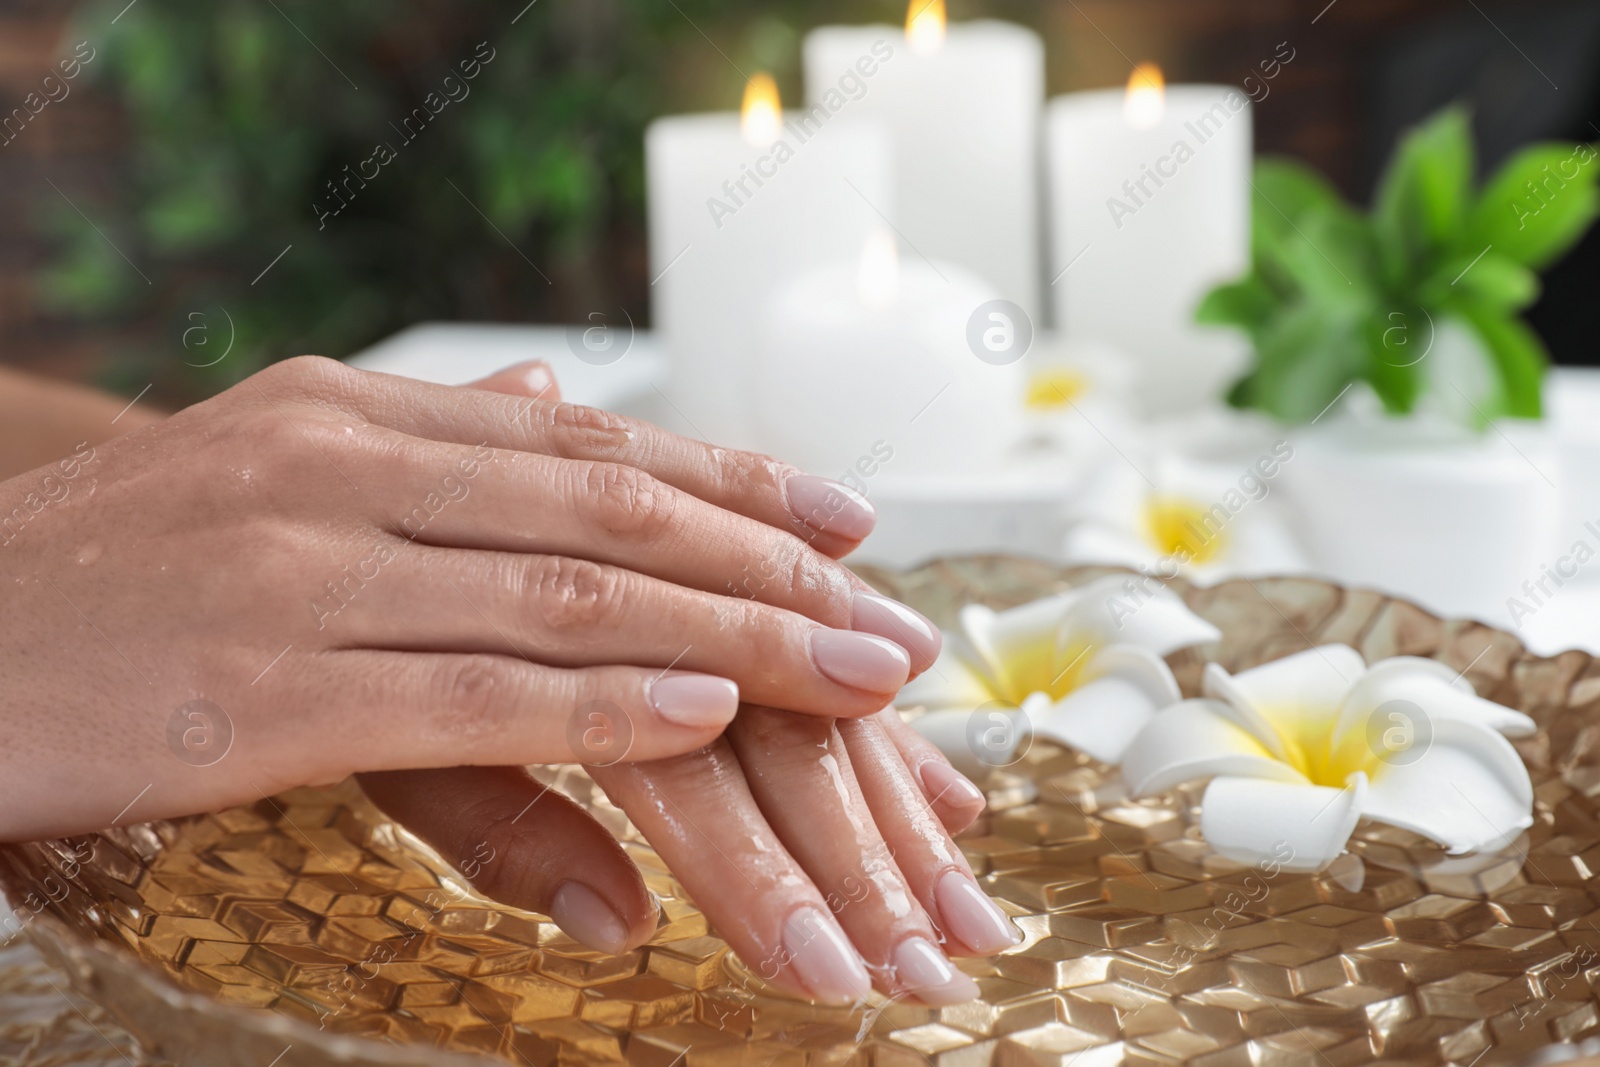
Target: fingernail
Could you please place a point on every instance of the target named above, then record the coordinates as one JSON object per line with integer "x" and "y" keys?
{"x": 539, "y": 379}
{"x": 972, "y": 918}
{"x": 911, "y": 630}
{"x": 584, "y": 916}
{"x": 697, "y": 700}
{"x": 860, "y": 661}
{"x": 946, "y": 784}
{"x": 823, "y": 959}
{"x": 920, "y": 967}
{"x": 824, "y": 504}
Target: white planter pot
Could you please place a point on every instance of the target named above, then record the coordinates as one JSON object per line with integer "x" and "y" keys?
{"x": 1454, "y": 519}
{"x": 1572, "y": 404}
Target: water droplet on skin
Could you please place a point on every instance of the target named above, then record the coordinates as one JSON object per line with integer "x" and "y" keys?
{"x": 89, "y": 552}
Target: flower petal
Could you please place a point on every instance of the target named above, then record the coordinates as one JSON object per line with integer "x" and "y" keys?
{"x": 1297, "y": 697}
{"x": 1140, "y": 611}
{"x": 1127, "y": 687}
{"x": 1195, "y": 739}
{"x": 1138, "y": 665}
{"x": 1468, "y": 790}
{"x": 955, "y": 680}
{"x": 974, "y": 743}
{"x": 1093, "y": 541}
{"x": 999, "y": 635}
{"x": 1297, "y": 827}
{"x": 1438, "y": 690}
{"x": 1027, "y": 648}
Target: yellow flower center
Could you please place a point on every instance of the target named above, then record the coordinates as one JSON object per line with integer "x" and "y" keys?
{"x": 1182, "y": 528}
{"x": 1044, "y": 665}
{"x": 1309, "y": 748}
{"x": 1054, "y": 388}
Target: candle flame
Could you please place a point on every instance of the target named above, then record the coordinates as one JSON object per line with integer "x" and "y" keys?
{"x": 761, "y": 117}
{"x": 925, "y": 26}
{"x": 1146, "y": 99}
{"x": 878, "y": 276}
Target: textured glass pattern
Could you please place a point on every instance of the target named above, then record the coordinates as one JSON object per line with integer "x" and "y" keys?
{"x": 1142, "y": 947}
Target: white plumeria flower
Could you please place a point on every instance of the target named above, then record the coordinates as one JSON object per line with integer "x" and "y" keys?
{"x": 1083, "y": 668}
{"x": 1299, "y": 749}
{"x": 1206, "y": 520}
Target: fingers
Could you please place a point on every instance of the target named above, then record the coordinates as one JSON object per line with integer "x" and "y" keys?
{"x": 575, "y": 613}
{"x": 607, "y": 511}
{"x": 453, "y": 496}
{"x": 697, "y": 812}
{"x": 815, "y": 497}
{"x": 827, "y": 514}
{"x": 414, "y": 709}
{"x": 932, "y": 864}
{"x": 950, "y": 793}
{"x": 803, "y": 780}
{"x": 524, "y": 845}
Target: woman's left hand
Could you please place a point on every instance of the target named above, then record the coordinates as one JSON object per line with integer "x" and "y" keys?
{"x": 819, "y": 849}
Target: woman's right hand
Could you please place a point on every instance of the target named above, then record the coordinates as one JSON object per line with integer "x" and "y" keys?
{"x": 324, "y": 570}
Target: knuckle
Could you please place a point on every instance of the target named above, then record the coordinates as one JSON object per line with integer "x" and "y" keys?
{"x": 742, "y": 472}
{"x": 275, "y": 448}
{"x": 574, "y": 594}
{"x": 306, "y": 371}
{"x": 474, "y": 696}
{"x": 817, "y": 586}
{"x": 580, "y": 432}
{"x": 626, "y": 501}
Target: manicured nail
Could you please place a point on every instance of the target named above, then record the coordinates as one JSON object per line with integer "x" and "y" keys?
{"x": 697, "y": 700}
{"x": 823, "y": 959}
{"x": 920, "y": 967}
{"x": 860, "y": 661}
{"x": 585, "y": 917}
{"x": 539, "y": 380}
{"x": 824, "y": 504}
{"x": 947, "y": 785}
{"x": 911, "y": 630}
{"x": 972, "y": 918}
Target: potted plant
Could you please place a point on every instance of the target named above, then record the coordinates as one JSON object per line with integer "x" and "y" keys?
{"x": 1392, "y": 339}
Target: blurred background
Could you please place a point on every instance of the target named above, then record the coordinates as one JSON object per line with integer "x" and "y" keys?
{"x": 188, "y": 153}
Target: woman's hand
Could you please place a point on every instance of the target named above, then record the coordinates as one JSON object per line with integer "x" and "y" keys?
{"x": 323, "y": 571}
{"x": 820, "y": 850}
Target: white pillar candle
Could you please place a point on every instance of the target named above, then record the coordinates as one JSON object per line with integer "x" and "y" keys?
{"x": 870, "y": 362}
{"x": 962, "y": 108}
{"x": 736, "y": 207}
{"x": 1150, "y": 207}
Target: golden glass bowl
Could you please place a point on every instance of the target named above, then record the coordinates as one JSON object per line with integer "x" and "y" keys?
{"x": 305, "y": 926}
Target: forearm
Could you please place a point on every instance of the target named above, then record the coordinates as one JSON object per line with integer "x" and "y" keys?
{"x": 42, "y": 420}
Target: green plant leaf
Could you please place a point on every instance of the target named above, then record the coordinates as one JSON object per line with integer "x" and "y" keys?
{"x": 1247, "y": 303}
{"x": 1492, "y": 279}
{"x": 1395, "y": 349}
{"x": 1305, "y": 358}
{"x": 1537, "y": 204}
{"x": 1282, "y": 192}
{"x": 1424, "y": 194}
{"x": 1518, "y": 355}
{"x": 1331, "y": 256}
{"x": 1242, "y": 393}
